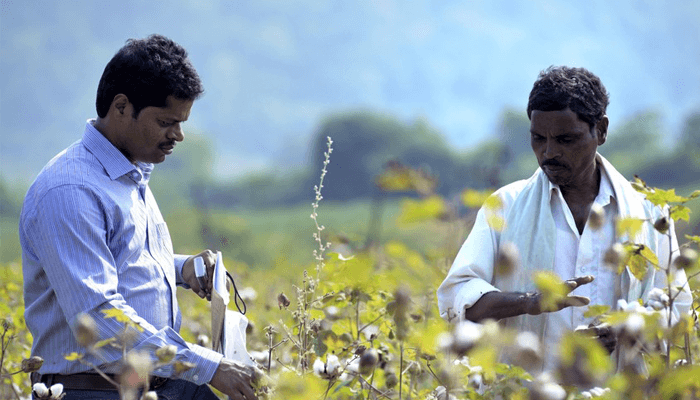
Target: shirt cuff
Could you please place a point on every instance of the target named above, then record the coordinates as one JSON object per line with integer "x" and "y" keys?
{"x": 179, "y": 263}
{"x": 206, "y": 362}
{"x": 470, "y": 293}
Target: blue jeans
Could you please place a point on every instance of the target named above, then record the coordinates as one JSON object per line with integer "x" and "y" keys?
{"x": 172, "y": 390}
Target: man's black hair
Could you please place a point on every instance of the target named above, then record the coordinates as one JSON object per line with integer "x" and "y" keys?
{"x": 147, "y": 71}
{"x": 578, "y": 89}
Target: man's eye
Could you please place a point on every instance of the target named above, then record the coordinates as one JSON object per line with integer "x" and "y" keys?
{"x": 565, "y": 140}
{"x": 537, "y": 138}
{"x": 163, "y": 124}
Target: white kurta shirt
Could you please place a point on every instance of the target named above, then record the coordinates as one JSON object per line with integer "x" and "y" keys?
{"x": 573, "y": 255}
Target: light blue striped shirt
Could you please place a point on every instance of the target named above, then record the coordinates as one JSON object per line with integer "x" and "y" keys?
{"x": 92, "y": 239}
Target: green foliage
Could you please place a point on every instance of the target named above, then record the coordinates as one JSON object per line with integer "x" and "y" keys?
{"x": 15, "y": 339}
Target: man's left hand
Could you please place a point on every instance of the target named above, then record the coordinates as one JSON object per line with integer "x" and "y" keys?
{"x": 190, "y": 278}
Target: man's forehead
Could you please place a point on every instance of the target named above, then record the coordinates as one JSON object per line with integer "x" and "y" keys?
{"x": 175, "y": 108}
{"x": 557, "y": 121}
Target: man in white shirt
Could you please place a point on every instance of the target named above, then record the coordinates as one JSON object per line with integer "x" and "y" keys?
{"x": 546, "y": 218}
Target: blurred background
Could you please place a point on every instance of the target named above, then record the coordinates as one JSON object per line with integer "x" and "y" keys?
{"x": 439, "y": 87}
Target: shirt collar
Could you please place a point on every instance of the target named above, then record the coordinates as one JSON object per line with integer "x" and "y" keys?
{"x": 114, "y": 162}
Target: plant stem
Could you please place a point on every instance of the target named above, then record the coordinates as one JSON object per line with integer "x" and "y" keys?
{"x": 401, "y": 370}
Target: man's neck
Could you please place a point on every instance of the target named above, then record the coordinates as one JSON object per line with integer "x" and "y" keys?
{"x": 586, "y": 190}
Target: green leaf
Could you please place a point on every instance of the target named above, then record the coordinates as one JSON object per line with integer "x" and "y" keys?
{"x": 596, "y": 311}
{"x": 695, "y": 194}
{"x": 679, "y": 212}
{"x": 695, "y": 239}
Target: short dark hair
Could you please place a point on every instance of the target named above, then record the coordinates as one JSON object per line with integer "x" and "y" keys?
{"x": 578, "y": 89}
{"x": 147, "y": 71}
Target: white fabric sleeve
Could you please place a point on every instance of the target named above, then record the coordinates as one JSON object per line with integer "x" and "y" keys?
{"x": 471, "y": 272}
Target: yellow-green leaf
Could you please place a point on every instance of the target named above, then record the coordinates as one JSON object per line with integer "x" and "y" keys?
{"x": 317, "y": 314}
{"x": 679, "y": 212}
{"x": 551, "y": 287}
{"x": 638, "y": 266}
{"x": 662, "y": 197}
{"x": 116, "y": 314}
{"x": 103, "y": 343}
{"x": 429, "y": 208}
{"x": 596, "y": 311}
{"x": 475, "y": 198}
{"x": 629, "y": 226}
{"x": 695, "y": 239}
{"x": 73, "y": 356}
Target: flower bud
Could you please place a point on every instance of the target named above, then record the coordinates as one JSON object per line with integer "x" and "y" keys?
{"x": 166, "y": 353}
{"x": 150, "y": 396}
{"x": 368, "y": 360}
{"x": 662, "y": 225}
{"x": 508, "y": 259}
{"x": 596, "y": 218}
{"x": 465, "y": 336}
{"x": 85, "y": 330}
{"x": 390, "y": 380}
{"x": 203, "y": 340}
{"x": 615, "y": 255}
{"x": 686, "y": 259}
{"x": 283, "y": 301}
{"x": 32, "y": 364}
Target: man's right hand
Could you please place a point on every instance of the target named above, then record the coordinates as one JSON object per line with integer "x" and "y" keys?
{"x": 534, "y": 300}
{"x": 234, "y": 379}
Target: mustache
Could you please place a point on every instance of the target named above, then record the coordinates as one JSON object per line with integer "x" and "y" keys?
{"x": 552, "y": 162}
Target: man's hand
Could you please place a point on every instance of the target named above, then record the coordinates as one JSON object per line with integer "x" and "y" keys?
{"x": 190, "y": 278}
{"x": 534, "y": 299}
{"x": 234, "y": 379}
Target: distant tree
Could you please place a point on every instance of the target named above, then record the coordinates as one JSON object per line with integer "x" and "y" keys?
{"x": 10, "y": 199}
{"x": 635, "y": 144}
{"x": 689, "y": 143}
{"x": 364, "y": 142}
{"x": 514, "y": 132}
{"x": 190, "y": 165}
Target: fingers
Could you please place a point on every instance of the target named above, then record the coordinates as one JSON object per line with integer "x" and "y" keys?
{"x": 209, "y": 258}
{"x": 574, "y": 301}
{"x": 579, "y": 281}
{"x": 210, "y": 262}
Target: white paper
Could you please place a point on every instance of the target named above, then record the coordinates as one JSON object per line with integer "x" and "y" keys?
{"x": 227, "y": 326}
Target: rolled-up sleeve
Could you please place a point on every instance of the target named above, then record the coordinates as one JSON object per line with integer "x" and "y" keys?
{"x": 471, "y": 272}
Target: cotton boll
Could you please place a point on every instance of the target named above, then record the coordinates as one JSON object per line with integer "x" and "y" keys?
{"x": 40, "y": 390}
{"x": 56, "y": 391}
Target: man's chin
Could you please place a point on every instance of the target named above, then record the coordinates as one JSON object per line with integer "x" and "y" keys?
{"x": 557, "y": 178}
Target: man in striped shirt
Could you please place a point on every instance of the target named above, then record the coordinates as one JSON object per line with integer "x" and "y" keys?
{"x": 93, "y": 238}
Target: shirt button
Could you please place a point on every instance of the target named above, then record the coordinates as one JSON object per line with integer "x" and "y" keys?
{"x": 196, "y": 377}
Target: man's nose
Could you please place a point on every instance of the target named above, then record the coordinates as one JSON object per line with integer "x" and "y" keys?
{"x": 176, "y": 133}
{"x": 551, "y": 149}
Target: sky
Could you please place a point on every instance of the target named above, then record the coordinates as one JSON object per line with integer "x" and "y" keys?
{"x": 274, "y": 70}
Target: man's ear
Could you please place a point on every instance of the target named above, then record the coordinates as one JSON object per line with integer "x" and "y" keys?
{"x": 121, "y": 106}
{"x": 601, "y": 129}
